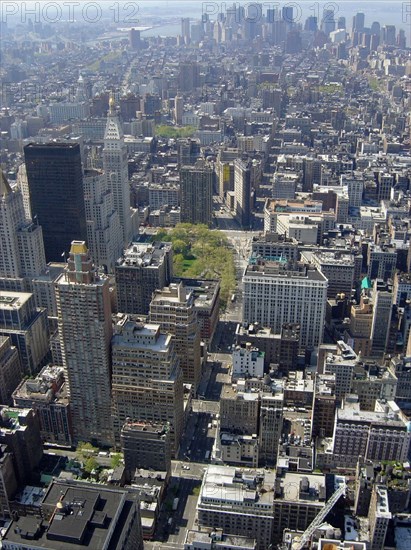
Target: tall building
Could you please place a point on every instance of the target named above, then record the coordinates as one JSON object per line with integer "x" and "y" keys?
{"x": 143, "y": 268}
{"x": 271, "y": 425}
{"x": 21, "y": 241}
{"x": 242, "y": 193}
{"x": 196, "y": 187}
{"x": 379, "y": 517}
{"x": 147, "y": 380}
{"x": 104, "y": 235}
{"x": 381, "y": 319}
{"x": 10, "y": 370}
{"x": 85, "y": 330}
{"x": 173, "y": 309}
{"x": 116, "y": 169}
{"x": 27, "y": 328}
{"x": 276, "y": 293}
{"x": 55, "y": 180}
{"x": 19, "y": 430}
{"x": 47, "y": 395}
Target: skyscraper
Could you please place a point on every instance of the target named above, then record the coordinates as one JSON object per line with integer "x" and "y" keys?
{"x": 104, "y": 234}
{"x": 21, "y": 241}
{"x": 242, "y": 193}
{"x": 55, "y": 180}
{"x": 147, "y": 380}
{"x": 173, "y": 309}
{"x": 85, "y": 330}
{"x": 143, "y": 268}
{"x": 116, "y": 169}
{"x": 196, "y": 186}
{"x": 276, "y": 293}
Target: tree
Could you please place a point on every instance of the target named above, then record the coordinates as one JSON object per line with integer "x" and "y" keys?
{"x": 85, "y": 450}
{"x": 90, "y": 464}
{"x": 116, "y": 460}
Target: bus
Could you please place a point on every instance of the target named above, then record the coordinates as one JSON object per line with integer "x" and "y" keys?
{"x": 207, "y": 455}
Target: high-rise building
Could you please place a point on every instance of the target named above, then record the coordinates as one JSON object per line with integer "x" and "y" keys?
{"x": 276, "y": 293}
{"x": 19, "y": 430}
{"x": 381, "y": 319}
{"x": 47, "y": 395}
{"x": 271, "y": 425}
{"x": 21, "y": 241}
{"x": 144, "y": 268}
{"x": 379, "y": 516}
{"x": 173, "y": 309}
{"x": 10, "y": 370}
{"x": 242, "y": 193}
{"x": 134, "y": 39}
{"x": 104, "y": 235}
{"x": 55, "y": 179}
{"x": 116, "y": 169}
{"x": 147, "y": 379}
{"x": 85, "y": 330}
{"x": 196, "y": 186}
{"x": 185, "y": 29}
{"x": 27, "y": 328}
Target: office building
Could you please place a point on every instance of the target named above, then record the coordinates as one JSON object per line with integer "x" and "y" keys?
{"x": 239, "y": 410}
{"x": 21, "y": 241}
{"x": 239, "y": 502}
{"x": 337, "y": 267}
{"x": 381, "y": 321}
{"x": 381, "y": 262}
{"x": 55, "y": 180}
{"x": 298, "y": 499}
{"x": 147, "y": 379}
{"x": 196, "y": 187}
{"x": 47, "y": 395}
{"x": 271, "y": 425}
{"x": 143, "y": 268}
{"x": 379, "y": 517}
{"x": 75, "y": 514}
{"x": 276, "y": 293}
{"x": 238, "y": 450}
{"x": 375, "y": 435}
{"x": 206, "y": 303}
{"x": 274, "y": 247}
{"x": 27, "y": 328}
{"x": 115, "y": 166}
{"x": 242, "y": 193}
{"x": 279, "y": 349}
{"x": 324, "y": 406}
{"x": 85, "y": 330}
{"x": 10, "y": 369}
{"x": 8, "y": 481}
{"x": 400, "y": 368}
{"x": 134, "y": 39}
{"x": 104, "y": 236}
{"x": 146, "y": 445}
{"x": 19, "y": 430}
{"x": 174, "y": 310}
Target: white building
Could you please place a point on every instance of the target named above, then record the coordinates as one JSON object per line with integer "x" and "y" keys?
{"x": 116, "y": 170}
{"x": 276, "y": 293}
{"x": 247, "y": 361}
{"x": 104, "y": 235}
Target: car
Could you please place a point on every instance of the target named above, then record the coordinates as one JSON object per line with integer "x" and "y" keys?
{"x": 186, "y": 467}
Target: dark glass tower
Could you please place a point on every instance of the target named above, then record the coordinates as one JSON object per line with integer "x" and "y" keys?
{"x": 55, "y": 181}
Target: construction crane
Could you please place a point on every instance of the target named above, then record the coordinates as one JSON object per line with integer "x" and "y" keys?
{"x": 317, "y": 521}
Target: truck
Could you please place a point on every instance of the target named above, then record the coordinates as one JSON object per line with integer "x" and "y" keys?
{"x": 175, "y": 504}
